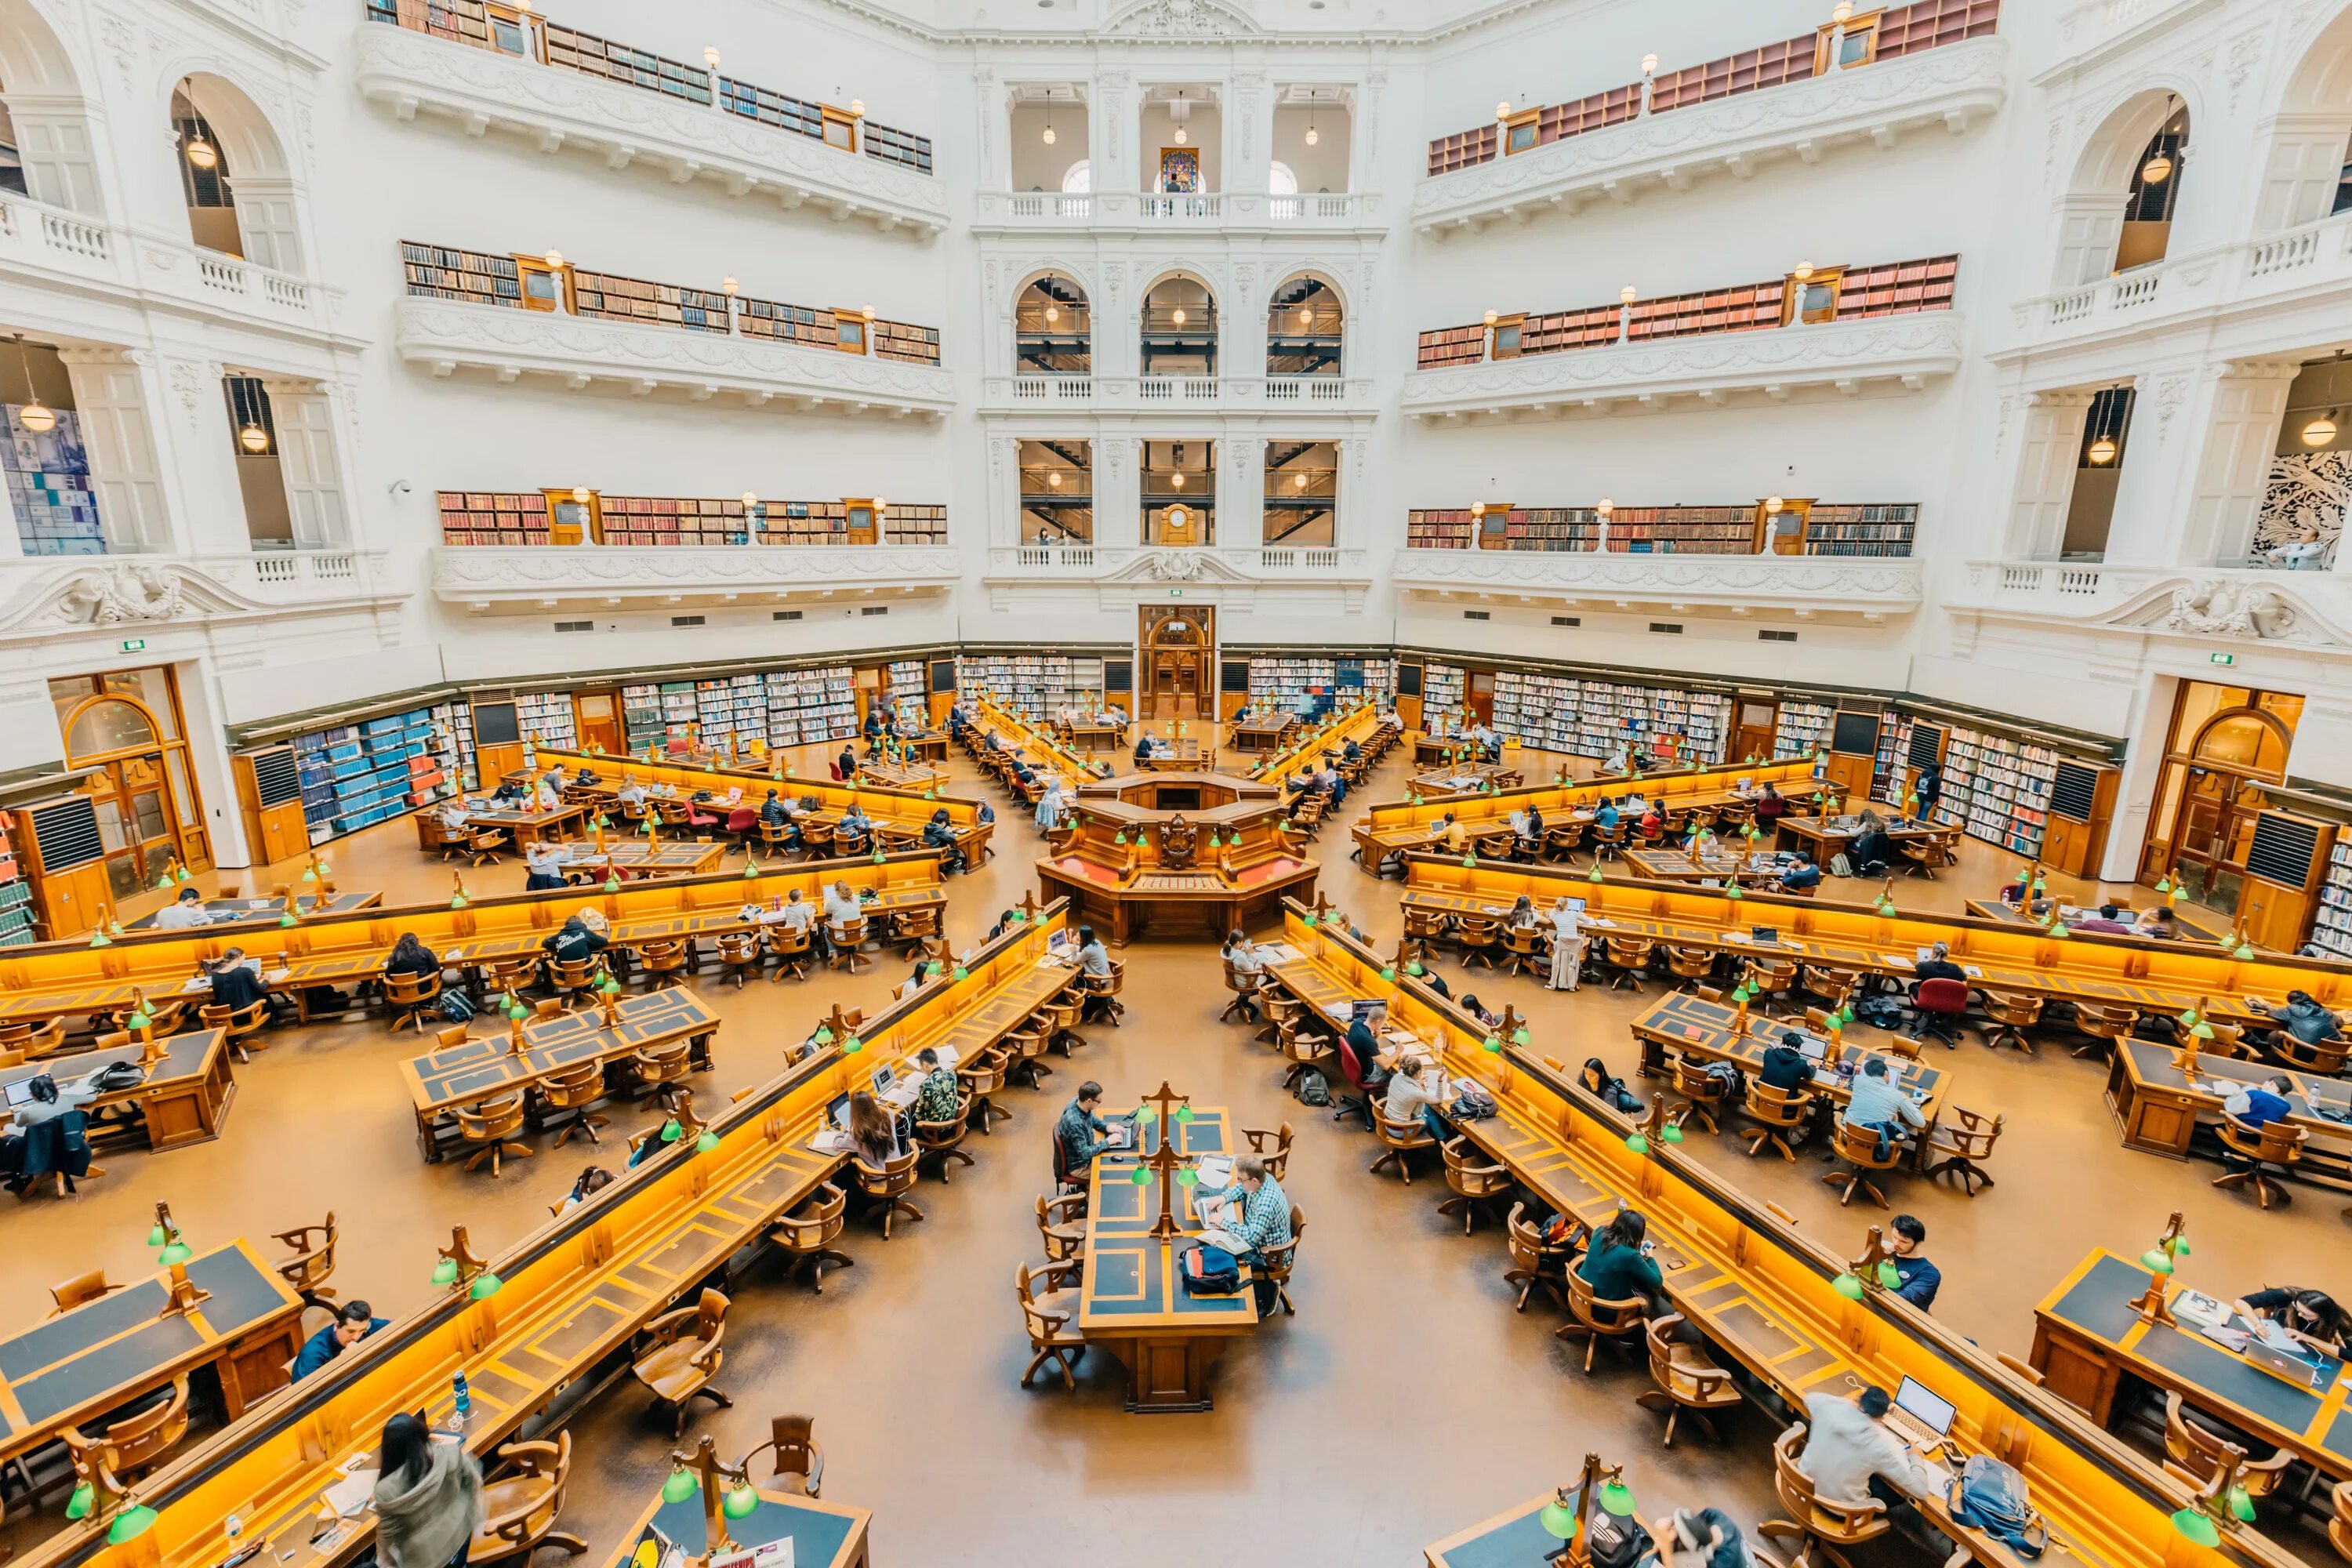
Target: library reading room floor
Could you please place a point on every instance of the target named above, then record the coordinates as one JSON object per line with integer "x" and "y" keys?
{"x": 1404, "y": 1401}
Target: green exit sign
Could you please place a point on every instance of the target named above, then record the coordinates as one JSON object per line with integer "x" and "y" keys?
{"x": 134, "y": 645}
{"x": 2222, "y": 657}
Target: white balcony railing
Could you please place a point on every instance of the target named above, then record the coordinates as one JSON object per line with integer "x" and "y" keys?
{"x": 2262, "y": 603}
{"x": 45, "y": 245}
{"x": 486, "y": 579}
{"x": 1868, "y": 588}
{"x": 590, "y": 353}
{"x": 1207, "y": 565}
{"x": 1236, "y": 212}
{"x": 1334, "y": 394}
{"x": 158, "y": 597}
{"x": 2309, "y": 266}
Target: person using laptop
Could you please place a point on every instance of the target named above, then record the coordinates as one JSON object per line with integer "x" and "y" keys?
{"x": 2311, "y": 1318}
{"x": 44, "y": 1100}
{"x": 873, "y": 1131}
{"x": 1921, "y": 1280}
{"x": 1256, "y": 1212}
{"x": 237, "y": 984}
{"x": 1877, "y": 1104}
{"x": 1080, "y": 1134}
{"x": 2302, "y": 1018}
{"x": 1935, "y": 963}
{"x": 1786, "y": 1067}
{"x": 2110, "y": 919}
{"x": 941, "y": 1094}
{"x": 184, "y": 913}
{"x": 1802, "y": 877}
{"x": 1852, "y": 1455}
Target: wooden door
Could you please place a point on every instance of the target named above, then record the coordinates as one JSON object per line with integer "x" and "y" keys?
{"x": 596, "y": 715}
{"x": 1177, "y": 644}
{"x": 1482, "y": 694}
{"x": 1755, "y": 721}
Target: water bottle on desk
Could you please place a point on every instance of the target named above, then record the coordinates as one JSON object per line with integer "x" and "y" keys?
{"x": 462, "y": 1398}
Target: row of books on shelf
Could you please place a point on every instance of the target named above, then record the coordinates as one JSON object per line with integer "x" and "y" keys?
{"x": 1441, "y": 686}
{"x": 2331, "y": 923}
{"x": 546, "y": 718}
{"x": 1032, "y": 685}
{"x": 1799, "y": 728}
{"x": 354, "y": 776}
{"x": 16, "y": 894}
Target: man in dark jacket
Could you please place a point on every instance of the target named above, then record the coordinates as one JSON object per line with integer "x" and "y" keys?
{"x": 1786, "y": 1067}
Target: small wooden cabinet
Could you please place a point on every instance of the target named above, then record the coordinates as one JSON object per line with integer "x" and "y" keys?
{"x": 270, "y": 798}
{"x": 64, "y": 858}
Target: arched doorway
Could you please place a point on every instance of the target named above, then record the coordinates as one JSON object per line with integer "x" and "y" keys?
{"x": 1179, "y": 646}
{"x": 2227, "y": 757}
{"x": 125, "y": 728}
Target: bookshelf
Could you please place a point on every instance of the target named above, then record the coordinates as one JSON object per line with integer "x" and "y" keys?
{"x": 673, "y": 521}
{"x": 809, "y": 706}
{"x": 1446, "y": 346}
{"x": 1441, "y": 529}
{"x": 16, "y": 894}
{"x": 904, "y": 524}
{"x": 906, "y": 692}
{"x": 733, "y": 709}
{"x": 1893, "y": 753}
{"x": 2331, "y": 927}
{"x": 50, "y": 486}
{"x": 468, "y": 276}
{"x": 2007, "y": 789}
{"x": 1280, "y": 682}
{"x": 511, "y": 518}
{"x": 356, "y": 775}
{"x": 657, "y": 304}
{"x": 545, "y": 718}
{"x": 648, "y": 710}
{"x": 1860, "y": 530}
{"x": 1441, "y": 686}
{"x": 1799, "y": 728}
{"x": 1032, "y": 685}
{"x": 592, "y": 56}
{"x": 493, "y": 518}
{"x": 1593, "y": 717}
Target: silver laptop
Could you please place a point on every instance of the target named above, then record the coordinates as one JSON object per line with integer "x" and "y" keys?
{"x": 1923, "y": 1417}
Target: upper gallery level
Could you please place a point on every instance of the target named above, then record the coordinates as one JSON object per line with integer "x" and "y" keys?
{"x": 489, "y": 66}
{"x": 1863, "y": 78}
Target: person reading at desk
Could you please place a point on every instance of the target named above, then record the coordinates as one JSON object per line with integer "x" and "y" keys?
{"x": 1079, "y": 1134}
{"x": 1416, "y": 1089}
{"x": 411, "y": 959}
{"x": 2263, "y": 1102}
{"x": 548, "y": 794}
{"x": 237, "y": 984}
{"x": 509, "y": 793}
{"x": 1879, "y": 1107}
{"x": 1256, "y": 1212}
{"x": 1934, "y": 961}
{"x": 939, "y": 1095}
{"x": 2158, "y": 923}
{"x": 939, "y": 834}
{"x": 1785, "y": 1066}
{"x": 427, "y": 1498}
{"x": 1457, "y": 837}
{"x": 2110, "y": 919}
{"x": 874, "y": 1140}
{"x": 1918, "y": 1278}
{"x": 583, "y": 936}
{"x": 1853, "y": 1455}
{"x": 354, "y": 1322}
{"x": 1872, "y": 848}
{"x": 184, "y": 913}
{"x": 2309, "y": 1317}
{"x": 1802, "y": 877}
{"x": 1605, "y": 815}
{"x": 1143, "y": 747}
{"x": 1770, "y": 808}
{"x": 1618, "y": 1264}
{"x": 1242, "y": 957}
{"x": 1095, "y": 959}
{"x": 2301, "y": 1016}
{"x": 1049, "y": 806}
{"x": 592, "y": 1180}
{"x": 1522, "y": 915}
{"x": 842, "y": 909}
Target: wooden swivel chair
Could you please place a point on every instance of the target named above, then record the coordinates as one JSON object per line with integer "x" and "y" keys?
{"x": 1398, "y": 1140}
{"x": 662, "y": 963}
{"x": 1833, "y": 986}
{"x": 2012, "y": 1013}
{"x": 2278, "y": 1143}
{"x": 1060, "y": 1016}
{"x": 889, "y": 1183}
{"x": 1688, "y": 963}
{"x": 1049, "y": 1309}
{"x": 1856, "y": 1148}
{"x": 1474, "y": 1180}
{"x": 412, "y": 1000}
{"x": 2193, "y": 1453}
{"x": 483, "y": 845}
{"x": 521, "y": 1501}
{"x": 32, "y": 1041}
{"x": 312, "y": 1262}
{"x": 2325, "y": 1059}
{"x": 1536, "y": 1264}
{"x": 1244, "y": 988}
{"x": 1024, "y": 1050}
{"x": 242, "y": 1026}
{"x": 489, "y": 1127}
{"x": 1619, "y": 1321}
{"x": 2339, "y": 1523}
{"x": 845, "y": 939}
{"x": 573, "y": 979}
{"x": 1689, "y": 1383}
{"x": 1423, "y": 926}
{"x": 1273, "y": 1147}
{"x": 564, "y": 1097}
{"x": 1780, "y": 1118}
{"x": 982, "y": 1078}
{"x": 139, "y": 1442}
{"x": 1058, "y": 1225}
{"x": 1523, "y": 951}
{"x": 1960, "y": 1143}
{"x": 739, "y": 955}
{"x": 808, "y": 1232}
{"x": 677, "y": 1354}
{"x": 1832, "y": 1522}
{"x": 794, "y": 1440}
{"x": 1624, "y": 958}
{"x": 1560, "y": 843}
{"x": 1703, "y": 1093}
{"x": 791, "y": 949}
{"x": 1771, "y": 978}
{"x": 1277, "y": 1262}
{"x": 1307, "y": 1048}
{"x": 2104, "y": 1026}
{"x": 914, "y": 927}
{"x": 942, "y": 1142}
{"x": 79, "y": 1291}
{"x": 1479, "y": 937}
{"x": 658, "y": 1070}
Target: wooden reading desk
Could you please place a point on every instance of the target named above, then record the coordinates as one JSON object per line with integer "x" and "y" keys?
{"x": 1173, "y": 753}
{"x": 1154, "y": 851}
{"x": 2196, "y": 925}
{"x": 1762, "y": 1292}
{"x": 552, "y": 825}
{"x": 2158, "y": 1111}
{"x": 822, "y": 1534}
{"x": 1456, "y": 779}
{"x": 223, "y": 915}
{"x": 2087, "y": 1338}
{"x": 488, "y": 1064}
{"x": 905, "y": 810}
{"x": 1719, "y": 863}
{"x": 914, "y": 777}
{"x": 1827, "y": 836}
{"x": 1130, "y": 1302}
{"x": 1260, "y": 734}
{"x": 1304, "y": 751}
{"x": 184, "y": 1099}
{"x": 1096, "y": 734}
{"x": 102, "y": 1354}
{"x": 644, "y": 857}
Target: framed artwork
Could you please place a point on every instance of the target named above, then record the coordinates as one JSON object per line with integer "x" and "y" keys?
{"x": 1180, "y": 171}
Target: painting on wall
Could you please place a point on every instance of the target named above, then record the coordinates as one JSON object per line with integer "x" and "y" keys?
{"x": 1180, "y": 171}
{"x": 2304, "y": 508}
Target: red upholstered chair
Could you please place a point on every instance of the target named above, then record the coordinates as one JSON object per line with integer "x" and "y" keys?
{"x": 1942, "y": 1005}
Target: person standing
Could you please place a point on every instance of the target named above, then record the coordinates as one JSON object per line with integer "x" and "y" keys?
{"x": 1567, "y": 945}
{"x": 428, "y": 1497}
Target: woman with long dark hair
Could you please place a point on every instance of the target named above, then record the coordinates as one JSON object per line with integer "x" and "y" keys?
{"x": 1618, "y": 1264}
{"x": 428, "y": 1497}
{"x": 873, "y": 1131}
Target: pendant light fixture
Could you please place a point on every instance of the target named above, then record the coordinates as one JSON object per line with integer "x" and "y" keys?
{"x": 2103, "y": 451}
{"x": 1313, "y": 135}
{"x": 1054, "y": 478}
{"x": 2159, "y": 167}
{"x": 34, "y": 416}
{"x": 1048, "y": 137}
{"x": 1299, "y": 482}
{"x": 1177, "y": 316}
{"x": 1178, "y": 115}
{"x": 2321, "y": 431}
{"x": 199, "y": 153}
{"x": 253, "y": 439}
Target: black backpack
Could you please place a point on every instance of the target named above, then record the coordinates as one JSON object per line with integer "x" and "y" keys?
{"x": 1209, "y": 1271}
{"x": 1611, "y": 1542}
{"x": 1314, "y": 1089}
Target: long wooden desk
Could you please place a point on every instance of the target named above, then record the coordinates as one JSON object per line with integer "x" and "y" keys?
{"x": 1763, "y": 1292}
{"x": 184, "y": 1099}
{"x": 1392, "y": 827}
{"x": 2158, "y": 1111}
{"x": 1453, "y": 781}
{"x": 645, "y": 856}
{"x": 1682, "y": 1024}
{"x": 905, "y": 810}
{"x": 223, "y": 915}
{"x": 488, "y": 1064}
{"x": 72, "y": 979}
{"x": 1035, "y": 744}
{"x": 1174, "y": 753}
{"x": 1719, "y": 863}
{"x": 2197, "y": 926}
{"x": 2087, "y": 1338}
{"x": 571, "y": 1294}
{"x": 915, "y": 777}
{"x": 1130, "y": 1302}
{"x": 1098, "y": 735}
{"x": 822, "y": 1534}
{"x": 1259, "y": 735}
{"x": 552, "y": 825}
{"x": 1331, "y": 732}
{"x": 78, "y": 1366}
{"x": 2157, "y": 977}
{"x": 1829, "y": 836}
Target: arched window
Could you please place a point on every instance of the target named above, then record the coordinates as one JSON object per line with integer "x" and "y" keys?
{"x": 1279, "y": 179}
{"x": 1079, "y": 179}
{"x": 106, "y": 727}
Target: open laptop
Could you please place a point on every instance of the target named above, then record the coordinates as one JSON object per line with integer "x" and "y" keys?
{"x": 1922, "y": 1416}
{"x": 1814, "y": 1049}
{"x": 20, "y": 1092}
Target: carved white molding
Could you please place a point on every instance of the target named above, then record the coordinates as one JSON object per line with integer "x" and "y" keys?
{"x": 1306, "y": 580}
{"x": 1952, "y": 87}
{"x": 586, "y": 353}
{"x": 43, "y": 598}
{"x": 1868, "y": 586}
{"x": 482, "y": 91}
{"x": 1876, "y": 354}
{"x": 535, "y": 578}
{"x": 1132, "y": 214}
{"x": 2310, "y": 610}
{"x": 1305, "y": 397}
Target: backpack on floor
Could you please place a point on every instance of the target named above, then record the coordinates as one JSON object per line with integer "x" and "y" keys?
{"x": 1840, "y": 865}
{"x": 1314, "y": 1089}
{"x": 456, "y": 1006}
{"x": 1880, "y": 1010}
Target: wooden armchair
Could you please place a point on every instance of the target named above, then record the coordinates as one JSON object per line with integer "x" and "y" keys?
{"x": 1061, "y": 1019}
{"x": 79, "y": 1291}
{"x": 490, "y": 1127}
{"x": 1306, "y": 1047}
{"x": 1779, "y": 1116}
{"x": 1772, "y": 978}
{"x": 1959, "y": 1143}
{"x": 846, "y": 938}
{"x": 1397, "y": 1139}
{"x": 521, "y": 1501}
{"x": 516, "y": 975}
{"x": 658, "y": 1070}
{"x": 2278, "y": 1143}
{"x": 675, "y": 1365}
{"x": 34, "y": 1041}
{"x": 915, "y": 926}
{"x": 1244, "y": 988}
{"x": 1479, "y": 936}
{"x": 1423, "y": 926}
{"x": 1024, "y": 1050}
{"x": 1536, "y": 1264}
{"x": 312, "y": 1263}
{"x": 889, "y": 1182}
{"x": 483, "y": 845}
{"x": 662, "y": 963}
{"x": 942, "y": 1142}
{"x": 1688, "y": 1379}
{"x": 982, "y": 1078}
{"x": 1832, "y": 1522}
{"x": 1703, "y": 1093}
{"x": 1624, "y": 958}
{"x": 1276, "y": 1262}
{"x": 791, "y": 949}
{"x": 2011, "y": 1012}
{"x": 1619, "y": 1321}
{"x": 775, "y": 837}
{"x": 564, "y": 1097}
{"x": 2104, "y": 1026}
{"x": 1058, "y": 1225}
{"x": 2325, "y": 1059}
{"x": 573, "y": 979}
{"x": 1523, "y": 951}
{"x": 794, "y": 1440}
{"x": 1832, "y": 986}
{"x": 137, "y": 1443}
{"x": 412, "y": 1000}
{"x": 1276, "y": 1152}
{"x": 1925, "y": 856}
{"x": 1050, "y": 1314}
{"x": 807, "y": 1235}
{"x": 738, "y": 954}
{"x": 240, "y": 1026}
{"x": 1856, "y": 1148}
{"x": 2193, "y": 1454}
{"x": 1688, "y": 963}
{"x": 1474, "y": 1180}
{"x": 1561, "y": 843}
{"x": 2339, "y": 1523}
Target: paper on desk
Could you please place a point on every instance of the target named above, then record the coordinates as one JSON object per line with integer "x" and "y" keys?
{"x": 1895, "y": 960}
{"x": 349, "y": 1497}
{"x": 1216, "y": 1170}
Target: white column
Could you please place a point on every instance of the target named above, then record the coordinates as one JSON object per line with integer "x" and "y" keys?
{"x": 198, "y": 452}
{"x": 1112, "y": 134}
{"x": 309, "y": 463}
{"x": 1247, "y": 121}
{"x": 994, "y": 103}
{"x": 268, "y": 222}
{"x": 2047, "y": 456}
{"x": 1241, "y": 493}
{"x": 2194, "y": 460}
{"x": 1003, "y": 490}
{"x": 1119, "y": 491}
{"x": 116, "y": 396}
{"x": 1241, "y": 326}
{"x": 53, "y": 141}
{"x": 1363, "y": 130}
